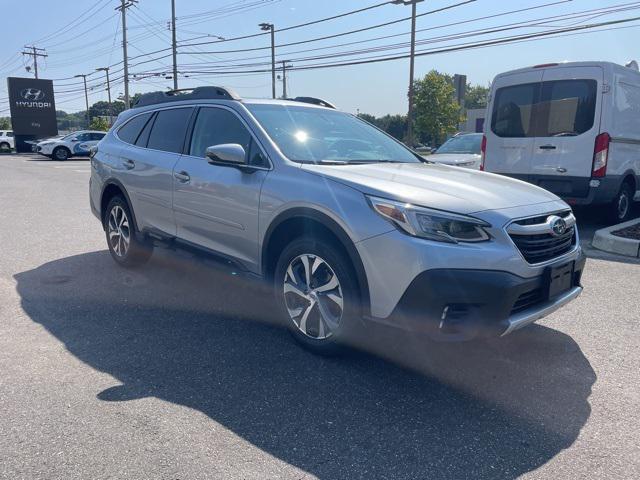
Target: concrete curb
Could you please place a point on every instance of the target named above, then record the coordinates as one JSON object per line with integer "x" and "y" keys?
{"x": 604, "y": 240}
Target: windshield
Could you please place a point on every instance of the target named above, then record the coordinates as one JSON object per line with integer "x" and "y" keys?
{"x": 462, "y": 144}
{"x": 66, "y": 137}
{"x": 314, "y": 135}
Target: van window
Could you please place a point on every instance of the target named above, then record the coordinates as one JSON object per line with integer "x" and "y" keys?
{"x": 513, "y": 109}
{"x": 567, "y": 108}
{"x": 169, "y": 130}
{"x": 130, "y": 130}
{"x": 548, "y": 109}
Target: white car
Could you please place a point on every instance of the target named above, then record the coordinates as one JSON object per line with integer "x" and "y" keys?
{"x": 6, "y": 140}
{"x": 74, "y": 144}
{"x": 463, "y": 150}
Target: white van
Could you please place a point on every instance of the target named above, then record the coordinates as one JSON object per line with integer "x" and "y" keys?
{"x": 571, "y": 128}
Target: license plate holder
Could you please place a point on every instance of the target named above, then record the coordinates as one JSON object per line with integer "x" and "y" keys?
{"x": 559, "y": 279}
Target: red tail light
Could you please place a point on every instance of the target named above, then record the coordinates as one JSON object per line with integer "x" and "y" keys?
{"x": 600, "y": 155}
{"x": 483, "y": 152}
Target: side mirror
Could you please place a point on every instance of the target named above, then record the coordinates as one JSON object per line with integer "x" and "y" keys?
{"x": 229, "y": 154}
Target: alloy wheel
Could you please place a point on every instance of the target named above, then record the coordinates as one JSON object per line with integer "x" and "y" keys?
{"x": 313, "y": 296}
{"x": 119, "y": 231}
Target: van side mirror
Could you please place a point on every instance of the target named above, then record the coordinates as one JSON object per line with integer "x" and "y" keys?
{"x": 227, "y": 154}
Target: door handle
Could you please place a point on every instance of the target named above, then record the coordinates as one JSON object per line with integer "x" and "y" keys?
{"x": 129, "y": 164}
{"x": 182, "y": 176}
{"x": 561, "y": 170}
{"x": 547, "y": 147}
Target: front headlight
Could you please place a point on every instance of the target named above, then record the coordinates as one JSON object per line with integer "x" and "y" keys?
{"x": 431, "y": 224}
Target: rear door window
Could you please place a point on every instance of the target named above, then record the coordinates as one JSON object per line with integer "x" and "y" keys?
{"x": 169, "y": 130}
{"x": 130, "y": 130}
{"x": 513, "y": 110}
{"x": 567, "y": 108}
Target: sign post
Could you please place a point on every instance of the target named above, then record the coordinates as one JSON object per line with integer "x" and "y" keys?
{"x": 33, "y": 110}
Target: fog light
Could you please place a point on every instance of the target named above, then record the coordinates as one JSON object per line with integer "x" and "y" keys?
{"x": 594, "y": 183}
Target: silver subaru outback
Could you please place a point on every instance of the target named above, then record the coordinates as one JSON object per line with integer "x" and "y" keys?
{"x": 346, "y": 223}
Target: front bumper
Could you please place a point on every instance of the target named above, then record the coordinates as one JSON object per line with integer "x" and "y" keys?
{"x": 460, "y": 304}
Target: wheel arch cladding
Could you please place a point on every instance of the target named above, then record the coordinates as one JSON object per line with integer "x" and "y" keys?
{"x": 111, "y": 189}
{"x": 300, "y": 221}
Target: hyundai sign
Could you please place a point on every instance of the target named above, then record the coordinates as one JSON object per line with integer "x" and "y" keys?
{"x": 33, "y": 108}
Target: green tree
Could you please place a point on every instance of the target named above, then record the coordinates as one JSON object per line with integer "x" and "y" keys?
{"x": 104, "y": 109}
{"x": 99, "y": 123}
{"x": 394, "y": 125}
{"x": 5, "y": 123}
{"x": 436, "y": 113}
{"x": 476, "y": 97}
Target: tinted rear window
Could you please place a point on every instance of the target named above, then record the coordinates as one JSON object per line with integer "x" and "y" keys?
{"x": 567, "y": 108}
{"x": 130, "y": 130}
{"x": 548, "y": 109}
{"x": 512, "y": 110}
{"x": 169, "y": 130}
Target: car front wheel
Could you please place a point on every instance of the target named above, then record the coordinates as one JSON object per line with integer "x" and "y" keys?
{"x": 317, "y": 294}
{"x": 61, "y": 153}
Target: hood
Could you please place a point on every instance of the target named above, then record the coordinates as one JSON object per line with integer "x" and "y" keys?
{"x": 437, "y": 186}
{"x": 454, "y": 158}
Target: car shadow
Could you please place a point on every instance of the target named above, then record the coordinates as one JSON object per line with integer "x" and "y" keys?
{"x": 206, "y": 338}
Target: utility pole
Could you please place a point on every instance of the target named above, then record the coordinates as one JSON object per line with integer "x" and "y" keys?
{"x": 86, "y": 96}
{"x": 411, "y": 62}
{"x": 35, "y": 53}
{"x": 174, "y": 45}
{"x": 284, "y": 77}
{"x": 269, "y": 27}
{"x": 106, "y": 70}
{"x": 124, "y": 4}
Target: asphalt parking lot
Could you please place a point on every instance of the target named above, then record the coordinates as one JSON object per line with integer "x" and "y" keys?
{"x": 178, "y": 371}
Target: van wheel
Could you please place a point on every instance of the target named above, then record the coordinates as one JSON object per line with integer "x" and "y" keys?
{"x": 316, "y": 294}
{"x": 620, "y": 209}
{"x": 5, "y": 146}
{"x": 61, "y": 153}
{"x": 124, "y": 246}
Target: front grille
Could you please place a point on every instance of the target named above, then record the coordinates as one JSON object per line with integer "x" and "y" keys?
{"x": 542, "y": 245}
{"x": 526, "y": 300}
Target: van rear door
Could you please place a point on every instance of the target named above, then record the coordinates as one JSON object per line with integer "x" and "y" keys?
{"x": 510, "y": 131}
{"x": 567, "y": 121}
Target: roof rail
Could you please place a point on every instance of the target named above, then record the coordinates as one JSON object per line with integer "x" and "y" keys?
{"x": 198, "y": 93}
{"x": 313, "y": 101}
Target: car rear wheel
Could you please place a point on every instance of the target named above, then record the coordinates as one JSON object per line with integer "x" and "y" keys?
{"x": 620, "y": 209}
{"x": 317, "y": 294}
{"x": 124, "y": 246}
{"x": 5, "y": 146}
{"x": 61, "y": 153}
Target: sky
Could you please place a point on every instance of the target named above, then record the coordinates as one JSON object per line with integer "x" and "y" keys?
{"x": 82, "y": 35}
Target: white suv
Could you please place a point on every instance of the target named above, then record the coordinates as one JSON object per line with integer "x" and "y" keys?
{"x": 74, "y": 144}
{"x": 7, "y": 141}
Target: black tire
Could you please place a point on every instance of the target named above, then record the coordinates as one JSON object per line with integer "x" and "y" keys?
{"x": 61, "y": 154}
{"x": 5, "y": 146}
{"x": 621, "y": 206}
{"x": 333, "y": 261}
{"x": 131, "y": 253}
